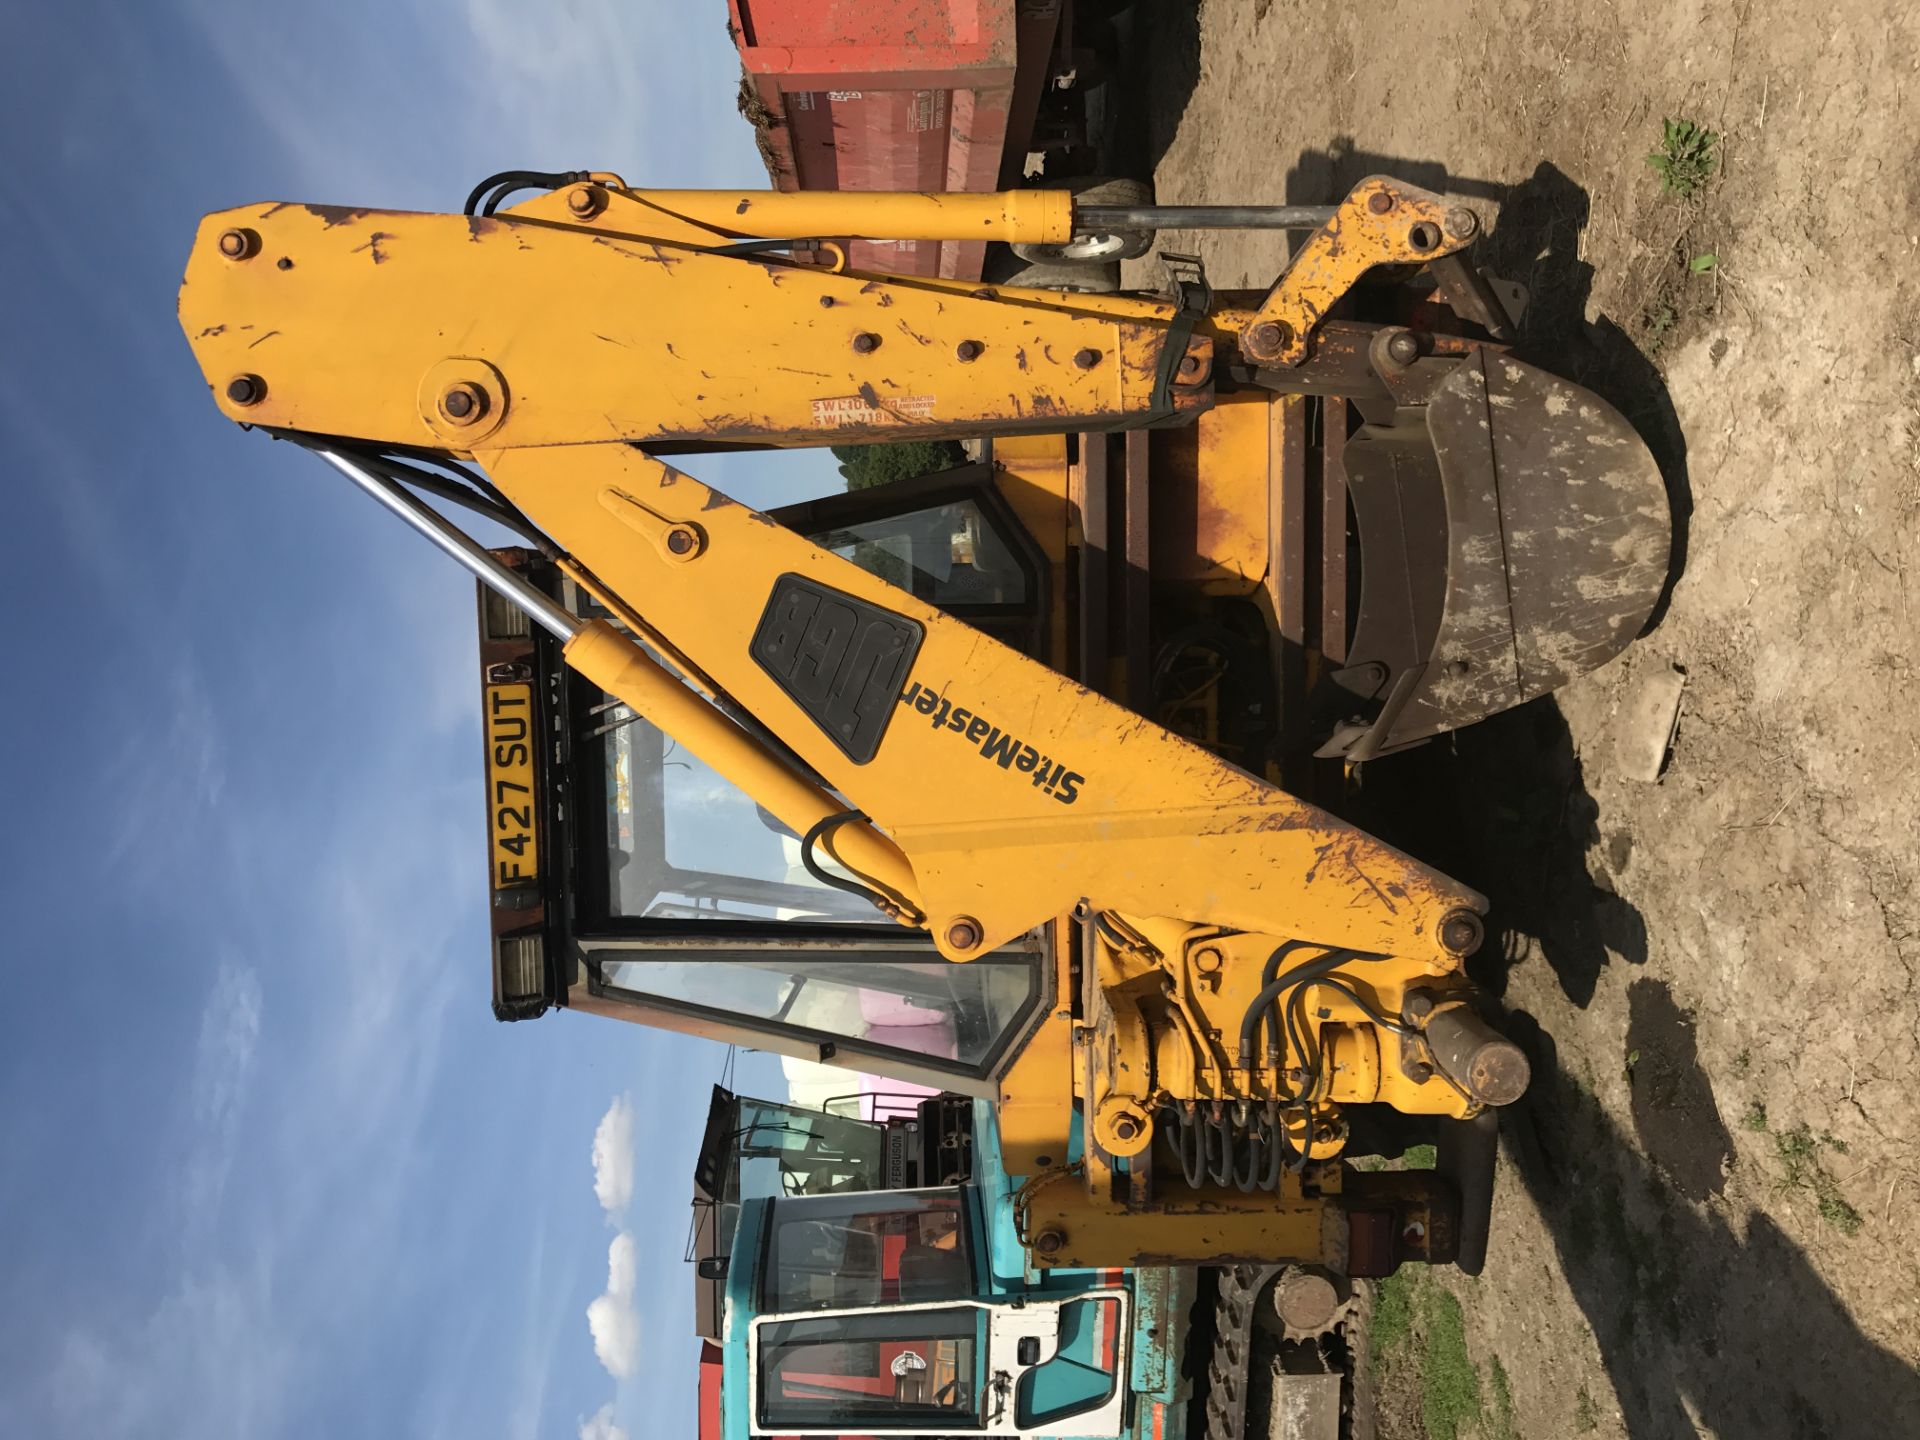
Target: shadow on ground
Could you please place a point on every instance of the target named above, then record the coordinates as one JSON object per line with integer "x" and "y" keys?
{"x": 1703, "y": 1320}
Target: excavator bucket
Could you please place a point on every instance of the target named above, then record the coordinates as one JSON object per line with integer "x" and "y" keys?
{"x": 1513, "y": 534}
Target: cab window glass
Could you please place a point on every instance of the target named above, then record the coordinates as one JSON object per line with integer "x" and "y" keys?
{"x": 947, "y": 555}
{"x": 955, "y": 1017}
{"x": 831, "y": 1254}
{"x": 682, "y": 842}
{"x": 882, "y": 1372}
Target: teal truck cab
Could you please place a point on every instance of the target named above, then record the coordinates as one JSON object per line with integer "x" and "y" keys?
{"x": 849, "y": 1309}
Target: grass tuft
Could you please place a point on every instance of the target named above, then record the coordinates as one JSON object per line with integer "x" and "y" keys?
{"x": 1800, "y": 1169}
{"x": 1449, "y": 1381}
{"x": 1392, "y": 1314}
{"x": 1586, "y": 1414}
{"x": 1500, "y": 1423}
{"x": 1686, "y": 159}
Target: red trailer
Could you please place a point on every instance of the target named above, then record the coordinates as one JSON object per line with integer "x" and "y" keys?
{"x": 918, "y": 95}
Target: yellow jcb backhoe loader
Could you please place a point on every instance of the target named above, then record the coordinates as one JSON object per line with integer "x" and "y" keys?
{"x": 1333, "y": 518}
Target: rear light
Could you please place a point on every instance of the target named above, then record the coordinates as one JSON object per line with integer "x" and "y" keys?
{"x": 503, "y": 619}
{"x": 520, "y": 961}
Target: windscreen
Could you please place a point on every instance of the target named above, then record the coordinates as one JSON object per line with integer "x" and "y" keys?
{"x": 900, "y": 1248}
{"x": 787, "y": 1150}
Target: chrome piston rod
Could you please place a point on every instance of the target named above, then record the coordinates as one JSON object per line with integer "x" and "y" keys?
{"x": 1093, "y": 219}
{"x": 461, "y": 547}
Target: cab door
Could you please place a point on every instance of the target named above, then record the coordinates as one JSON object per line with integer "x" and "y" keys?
{"x": 1042, "y": 1367}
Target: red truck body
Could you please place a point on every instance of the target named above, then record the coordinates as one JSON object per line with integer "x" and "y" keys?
{"x": 896, "y": 95}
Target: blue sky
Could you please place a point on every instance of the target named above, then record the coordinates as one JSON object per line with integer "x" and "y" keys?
{"x": 268, "y": 1166}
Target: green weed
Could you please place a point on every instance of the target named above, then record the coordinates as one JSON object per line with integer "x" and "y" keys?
{"x": 1392, "y": 1314}
{"x": 1449, "y": 1380}
{"x": 1800, "y": 1169}
{"x": 1586, "y": 1414}
{"x": 1660, "y": 318}
{"x": 1420, "y": 1157}
{"x": 1755, "y": 1119}
{"x": 1500, "y": 1423}
{"x": 1798, "y": 1156}
{"x": 1836, "y": 1211}
{"x": 1743, "y": 1062}
{"x": 1686, "y": 158}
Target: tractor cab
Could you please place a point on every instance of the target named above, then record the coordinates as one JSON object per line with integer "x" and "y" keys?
{"x": 756, "y": 1150}
{"x": 874, "y": 1313}
{"x": 631, "y": 879}
{"x": 849, "y": 1304}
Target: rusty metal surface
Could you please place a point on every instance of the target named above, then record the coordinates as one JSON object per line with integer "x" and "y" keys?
{"x": 1470, "y": 295}
{"x": 1092, "y": 484}
{"x": 1136, "y": 584}
{"x": 1381, "y": 222}
{"x": 1588, "y": 528}
{"x": 1333, "y": 531}
{"x": 1478, "y": 1058}
{"x": 1289, "y": 533}
{"x": 1553, "y": 532}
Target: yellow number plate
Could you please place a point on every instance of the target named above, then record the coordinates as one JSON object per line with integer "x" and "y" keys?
{"x": 509, "y": 723}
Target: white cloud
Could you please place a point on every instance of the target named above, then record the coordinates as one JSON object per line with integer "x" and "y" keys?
{"x": 613, "y": 1156}
{"x": 223, "y": 1065}
{"x": 600, "y": 1426}
{"x": 152, "y": 1375}
{"x": 612, "y": 1317}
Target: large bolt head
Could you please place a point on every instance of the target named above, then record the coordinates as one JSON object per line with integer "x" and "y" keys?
{"x": 1403, "y": 348}
{"x": 1269, "y": 337}
{"x": 463, "y": 403}
{"x": 866, "y": 343}
{"x": 1086, "y": 359}
{"x": 239, "y": 244}
{"x": 1461, "y": 932}
{"x": 586, "y": 201}
{"x": 246, "y": 390}
{"x": 1461, "y": 223}
{"x": 963, "y": 933}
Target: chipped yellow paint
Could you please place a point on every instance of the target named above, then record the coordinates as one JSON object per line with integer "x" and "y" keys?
{"x": 569, "y": 334}
{"x": 1381, "y": 222}
{"x": 1123, "y": 814}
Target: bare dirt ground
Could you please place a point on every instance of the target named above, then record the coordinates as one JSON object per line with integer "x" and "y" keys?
{"x": 1708, "y": 1220}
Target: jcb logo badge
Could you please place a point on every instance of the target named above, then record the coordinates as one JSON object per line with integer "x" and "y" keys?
{"x": 840, "y": 659}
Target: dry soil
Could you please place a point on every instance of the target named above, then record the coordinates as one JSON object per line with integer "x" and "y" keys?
{"x": 1708, "y": 1220}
